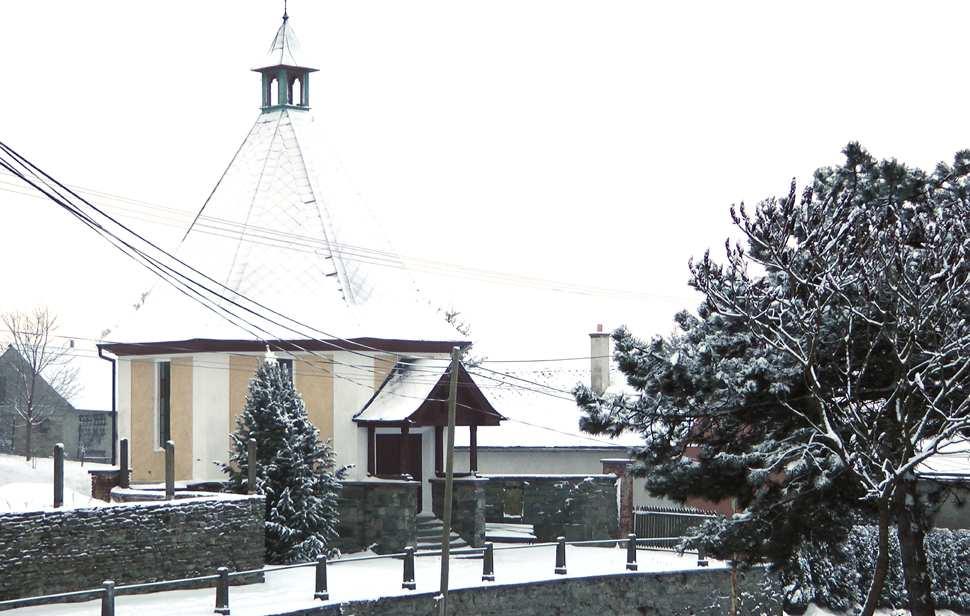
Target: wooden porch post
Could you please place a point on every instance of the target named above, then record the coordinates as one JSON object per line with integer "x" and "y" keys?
{"x": 405, "y": 429}
{"x": 473, "y": 449}
{"x": 439, "y": 432}
{"x": 370, "y": 449}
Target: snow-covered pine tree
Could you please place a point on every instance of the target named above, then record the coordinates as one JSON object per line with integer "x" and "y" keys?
{"x": 830, "y": 359}
{"x": 295, "y": 469}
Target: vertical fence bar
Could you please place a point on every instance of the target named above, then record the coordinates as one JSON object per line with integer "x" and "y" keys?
{"x": 59, "y": 475}
{"x": 124, "y": 478}
{"x": 409, "y": 583}
{"x": 222, "y": 591}
{"x": 560, "y": 556}
{"x": 631, "y": 552}
{"x": 169, "y": 470}
{"x": 488, "y": 563}
{"x": 320, "y": 590}
{"x": 108, "y": 598}
{"x": 251, "y": 488}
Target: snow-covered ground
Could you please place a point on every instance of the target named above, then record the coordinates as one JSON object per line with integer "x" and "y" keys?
{"x": 30, "y": 485}
{"x": 293, "y": 589}
{"x": 814, "y": 610}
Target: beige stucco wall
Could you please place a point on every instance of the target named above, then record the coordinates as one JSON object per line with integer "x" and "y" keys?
{"x": 313, "y": 378}
{"x": 147, "y": 462}
{"x": 147, "y": 459}
{"x": 241, "y": 371}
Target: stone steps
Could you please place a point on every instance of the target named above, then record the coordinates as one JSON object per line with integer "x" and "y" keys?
{"x": 429, "y": 534}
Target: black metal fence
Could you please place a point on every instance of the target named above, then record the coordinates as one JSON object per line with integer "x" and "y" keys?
{"x": 220, "y": 580}
{"x": 666, "y": 526}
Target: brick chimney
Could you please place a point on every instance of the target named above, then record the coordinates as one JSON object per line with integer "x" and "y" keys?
{"x": 599, "y": 363}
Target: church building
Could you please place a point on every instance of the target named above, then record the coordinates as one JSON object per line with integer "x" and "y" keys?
{"x": 295, "y": 271}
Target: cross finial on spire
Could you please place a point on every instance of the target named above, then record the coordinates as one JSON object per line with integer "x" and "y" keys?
{"x": 285, "y": 16}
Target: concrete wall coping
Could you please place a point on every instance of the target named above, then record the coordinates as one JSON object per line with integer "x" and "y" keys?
{"x": 460, "y": 479}
{"x": 379, "y": 483}
{"x": 564, "y": 477}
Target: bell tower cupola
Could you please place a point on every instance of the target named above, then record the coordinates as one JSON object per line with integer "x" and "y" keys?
{"x": 285, "y": 80}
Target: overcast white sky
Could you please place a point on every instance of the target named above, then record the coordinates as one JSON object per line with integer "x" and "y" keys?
{"x": 595, "y": 142}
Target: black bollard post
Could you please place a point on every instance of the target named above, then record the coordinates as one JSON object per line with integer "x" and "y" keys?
{"x": 488, "y": 563}
{"x": 251, "y": 488}
{"x": 701, "y": 557}
{"x": 222, "y": 591}
{"x": 169, "y": 470}
{"x": 321, "y": 587}
{"x": 631, "y": 552}
{"x": 59, "y": 475}
{"x": 124, "y": 479}
{"x": 409, "y": 583}
{"x": 561, "y": 556}
{"x": 108, "y": 598}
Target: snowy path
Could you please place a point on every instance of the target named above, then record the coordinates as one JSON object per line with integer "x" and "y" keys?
{"x": 293, "y": 589}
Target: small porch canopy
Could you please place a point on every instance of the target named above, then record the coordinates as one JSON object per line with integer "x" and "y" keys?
{"x": 415, "y": 394}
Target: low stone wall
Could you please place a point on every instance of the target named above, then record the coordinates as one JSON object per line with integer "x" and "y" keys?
{"x": 378, "y": 513}
{"x": 54, "y": 551}
{"x": 701, "y": 592}
{"x": 578, "y": 507}
{"x": 468, "y": 507}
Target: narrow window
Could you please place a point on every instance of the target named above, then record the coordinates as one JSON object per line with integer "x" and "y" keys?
{"x": 164, "y": 402}
{"x": 3, "y": 389}
{"x": 296, "y": 91}
{"x": 286, "y": 365}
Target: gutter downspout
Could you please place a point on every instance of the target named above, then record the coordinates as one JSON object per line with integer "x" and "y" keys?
{"x": 114, "y": 408}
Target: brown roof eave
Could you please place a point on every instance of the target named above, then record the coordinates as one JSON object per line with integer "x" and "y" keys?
{"x": 209, "y": 345}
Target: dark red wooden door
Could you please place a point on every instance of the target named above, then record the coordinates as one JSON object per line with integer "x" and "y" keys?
{"x": 388, "y": 454}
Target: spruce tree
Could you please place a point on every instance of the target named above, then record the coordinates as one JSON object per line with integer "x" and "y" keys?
{"x": 295, "y": 469}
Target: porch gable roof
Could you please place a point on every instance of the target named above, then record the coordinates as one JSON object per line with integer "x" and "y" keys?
{"x": 416, "y": 392}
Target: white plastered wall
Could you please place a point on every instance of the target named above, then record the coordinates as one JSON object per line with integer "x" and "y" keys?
{"x": 353, "y": 386}
{"x": 123, "y": 400}
{"x": 210, "y": 406}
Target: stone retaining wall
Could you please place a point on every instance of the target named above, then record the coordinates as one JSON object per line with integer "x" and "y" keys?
{"x": 578, "y": 507}
{"x": 62, "y": 550}
{"x": 468, "y": 507}
{"x": 375, "y": 513}
{"x": 701, "y": 592}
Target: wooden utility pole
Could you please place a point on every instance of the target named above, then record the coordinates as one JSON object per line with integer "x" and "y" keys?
{"x": 449, "y": 479}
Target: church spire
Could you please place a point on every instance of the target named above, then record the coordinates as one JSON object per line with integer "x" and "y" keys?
{"x": 286, "y": 81}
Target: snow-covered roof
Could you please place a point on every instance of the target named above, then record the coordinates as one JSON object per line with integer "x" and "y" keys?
{"x": 285, "y": 229}
{"x": 951, "y": 463}
{"x": 407, "y": 387}
{"x": 421, "y": 384}
{"x": 539, "y": 416}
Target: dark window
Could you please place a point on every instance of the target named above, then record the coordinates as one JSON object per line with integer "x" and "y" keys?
{"x": 286, "y": 365}
{"x": 3, "y": 389}
{"x": 164, "y": 402}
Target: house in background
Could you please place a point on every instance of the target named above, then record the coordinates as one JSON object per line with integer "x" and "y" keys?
{"x": 85, "y": 433}
{"x": 540, "y": 434}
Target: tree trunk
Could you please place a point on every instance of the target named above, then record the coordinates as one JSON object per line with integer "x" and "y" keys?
{"x": 882, "y": 560}
{"x": 910, "y": 528}
{"x": 27, "y": 440}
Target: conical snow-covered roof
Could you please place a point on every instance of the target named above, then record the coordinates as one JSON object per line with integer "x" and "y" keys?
{"x": 282, "y": 228}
